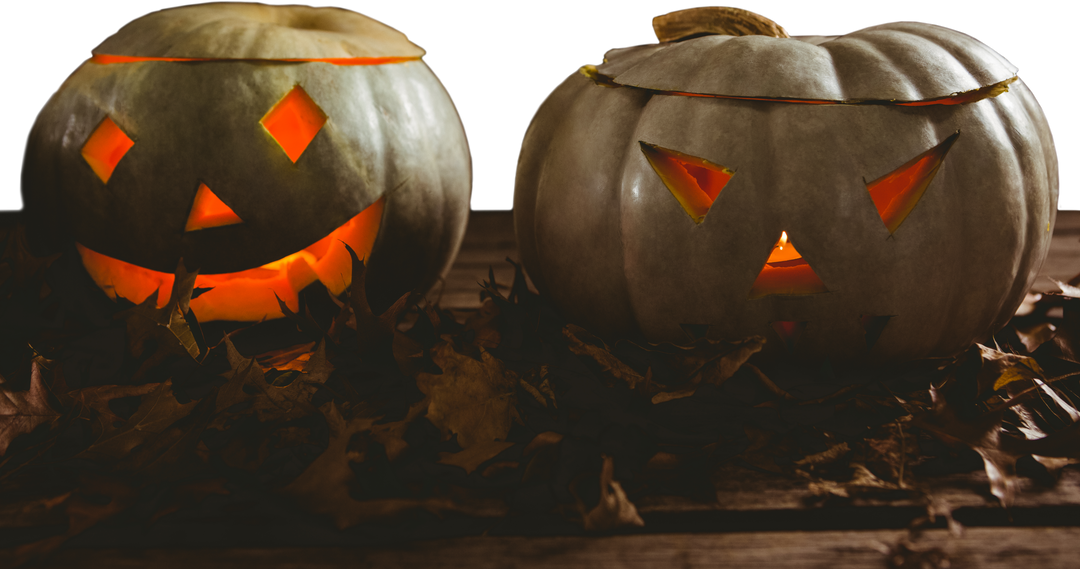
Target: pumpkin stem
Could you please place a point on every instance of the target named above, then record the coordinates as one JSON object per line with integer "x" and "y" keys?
{"x": 714, "y": 20}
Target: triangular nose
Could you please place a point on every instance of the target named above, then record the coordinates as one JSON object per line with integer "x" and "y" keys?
{"x": 209, "y": 211}
{"x": 786, "y": 273}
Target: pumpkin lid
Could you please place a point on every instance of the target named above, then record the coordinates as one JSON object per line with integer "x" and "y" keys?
{"x": 228, "y": 30}
{"x": 899, "y": 62}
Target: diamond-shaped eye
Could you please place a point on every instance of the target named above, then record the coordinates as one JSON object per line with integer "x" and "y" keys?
{"x": 294, "y": 121}
{"x": 105, "y": 147}
{"x": 895, "y": 194}
{"x": 694, "y": 181}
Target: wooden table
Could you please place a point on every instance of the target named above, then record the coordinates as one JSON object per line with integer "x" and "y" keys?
{"x": 757, "y": 521}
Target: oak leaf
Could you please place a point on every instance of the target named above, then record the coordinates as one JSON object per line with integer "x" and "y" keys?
{"x": 158, "y": 410}
{"x": 23, "y": 411}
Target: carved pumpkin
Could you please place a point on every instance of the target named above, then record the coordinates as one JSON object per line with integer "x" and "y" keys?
{"x": 251, "y": 141}
{"x": 886, "y": 194}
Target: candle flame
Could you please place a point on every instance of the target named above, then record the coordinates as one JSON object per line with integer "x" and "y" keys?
{"x": 783, "y": 240}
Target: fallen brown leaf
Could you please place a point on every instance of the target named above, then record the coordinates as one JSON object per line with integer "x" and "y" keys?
{"x": 611, "y": 365}
{"x": 471, "y": 458}
{"x": 615, "y": 510}
{"x": 159, "y": 409}
{"x": 23, "y": 411}
{"x": 473, "y": 399}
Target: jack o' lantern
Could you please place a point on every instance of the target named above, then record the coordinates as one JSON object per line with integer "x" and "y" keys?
{"x": 887, "y": 194}
{"x": 252, "y": 142}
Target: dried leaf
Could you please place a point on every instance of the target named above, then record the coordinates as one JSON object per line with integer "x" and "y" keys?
{"x": 98, "y": 397}
{"x": 712, "y": 362}
{"x": 1006, "y": 368}
{"x": 23, "y": 411}
{"x": 159, "y": 410}
{"x": 1067, "y": 289}
{"x": 473, "y": 399}
{"x": 167, "y": 326}
{"x": 97, "y": 499}
{"x": 834, "y": 453}
{"x": 615, "y": 510}
{"x": 610, "y": 364}
{"x": 542, "y": 440}
{"x": 471, "y": 458}
{"x": 285, "y": 359}
{"x": 323, "y": 488}
{"x": 391, "y": 435}
{"x": 1036, "y": 335}
{"x": 273, "y": 402}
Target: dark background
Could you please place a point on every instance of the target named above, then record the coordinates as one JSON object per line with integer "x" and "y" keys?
{"x": 499, "y": 62}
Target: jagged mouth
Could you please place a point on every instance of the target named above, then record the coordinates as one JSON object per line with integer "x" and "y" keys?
{"x": 249, "y": 295}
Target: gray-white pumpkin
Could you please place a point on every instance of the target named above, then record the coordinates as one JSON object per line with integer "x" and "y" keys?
{"x": 659, "y": 195}
{"x": 362, "y": 126}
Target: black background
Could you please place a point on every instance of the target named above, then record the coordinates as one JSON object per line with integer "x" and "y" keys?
{"x": 499, "y": 62}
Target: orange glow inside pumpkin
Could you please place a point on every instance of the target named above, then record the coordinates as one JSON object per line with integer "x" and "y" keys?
{"x": 209, "y": 211}
{"x": 895, "y": 194}
{"x": 789, "y": 331}
{"x": 695, "y": 182}
{"x": 248, "y": 295}
{"x": 105, "y": 147}
{"x": 786, "y": 273}
{"x": 294, "y": 121}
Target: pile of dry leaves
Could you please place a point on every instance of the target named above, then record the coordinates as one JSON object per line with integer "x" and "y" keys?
{"x": 109, "y": 409}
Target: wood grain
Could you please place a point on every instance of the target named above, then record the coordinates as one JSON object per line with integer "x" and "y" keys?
{"x": 988, "y": 548}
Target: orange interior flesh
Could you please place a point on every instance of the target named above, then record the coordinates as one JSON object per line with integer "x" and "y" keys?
{"x": 786, "y": 273}
{"x": 105, "y": 147}
{"x": 104, "y": 59}
{"x": 209, "y": 211}
{"x": 294, "y": 121}
{"x": 895, "y": 194}
{"x": 248, "y": 295}
{"x": 694, "y": 181}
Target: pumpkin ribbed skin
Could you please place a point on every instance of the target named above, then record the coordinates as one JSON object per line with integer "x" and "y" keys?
{"x": 391, "y": 131}
{"x": 600, "y": 233}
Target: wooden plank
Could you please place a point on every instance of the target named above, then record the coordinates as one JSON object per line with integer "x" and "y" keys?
{"x": 991, "y": 548}
{"x": 1063, "y": 260}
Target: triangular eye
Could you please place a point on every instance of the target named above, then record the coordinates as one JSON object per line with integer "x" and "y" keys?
{"x": 694, "y": 181}
{"x": 896, "y": 193}
{"x": 209, "y": 211}
{"x": 105, "y": 147}
{"x": 294, "y": 121}
{"x": 786, "y": 273}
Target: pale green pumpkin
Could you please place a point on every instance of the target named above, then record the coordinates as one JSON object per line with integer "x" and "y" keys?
{"x": 192, "y": 89}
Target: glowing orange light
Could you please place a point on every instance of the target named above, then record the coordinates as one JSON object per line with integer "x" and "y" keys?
{"x": 209, "y": 211}
{"x": 294, "y": 121}
{"x": 694, "y": 181}
{"x": 105, "y": 147}
{"x": 248, "y": 295}
{"x": 786, "y": 273}
{"x": 895, "y": 194}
